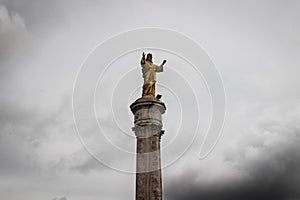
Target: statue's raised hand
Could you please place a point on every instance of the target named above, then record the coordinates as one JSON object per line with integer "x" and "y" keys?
{"x": 164, "y": 62}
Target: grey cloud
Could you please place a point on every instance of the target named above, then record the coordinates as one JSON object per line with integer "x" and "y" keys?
{"x": 36, "y": 12}
{"x": 266, "y": 163}
{"x": 25, "y": 133}
{"x": 82, "y": 162}
{"x": 61, "y": 198}
{"x": 18, "y": 138}
{"x": 248, "y": 40}
{"x": 13, "y": 33}
{"x": 87, "y": 165}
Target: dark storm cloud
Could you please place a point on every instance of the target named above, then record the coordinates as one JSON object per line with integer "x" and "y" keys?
{"x": 266, "y": 164}
{"x": 265, "y": 182}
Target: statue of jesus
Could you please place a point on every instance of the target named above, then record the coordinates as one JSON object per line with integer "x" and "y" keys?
{"x": 149, "y": 74}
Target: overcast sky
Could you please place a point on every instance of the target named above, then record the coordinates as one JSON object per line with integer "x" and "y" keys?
{"x": 255, "y": 46}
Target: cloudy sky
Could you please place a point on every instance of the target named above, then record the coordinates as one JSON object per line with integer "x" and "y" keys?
{"x": 254, "y": 45}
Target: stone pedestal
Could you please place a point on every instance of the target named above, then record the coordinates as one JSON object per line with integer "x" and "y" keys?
{"x": 148, "y": 130}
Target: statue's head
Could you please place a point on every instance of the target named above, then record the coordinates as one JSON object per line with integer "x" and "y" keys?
{"x": 149, "y": 57}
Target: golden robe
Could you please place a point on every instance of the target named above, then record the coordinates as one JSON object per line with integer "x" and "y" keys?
{"x": 149, "y": 74}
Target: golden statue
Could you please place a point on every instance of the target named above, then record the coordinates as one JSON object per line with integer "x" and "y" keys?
{"x": 149, "y": 74}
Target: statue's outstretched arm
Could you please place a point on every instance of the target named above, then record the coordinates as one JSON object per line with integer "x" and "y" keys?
{"x": 160, "y": 68}
{"x": 143, "y": 59}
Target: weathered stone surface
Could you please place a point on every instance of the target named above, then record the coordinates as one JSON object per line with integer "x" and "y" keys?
{"x": 147, "y": 120}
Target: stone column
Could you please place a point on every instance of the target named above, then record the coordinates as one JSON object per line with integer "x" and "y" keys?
{"x": 148, "y": 130}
